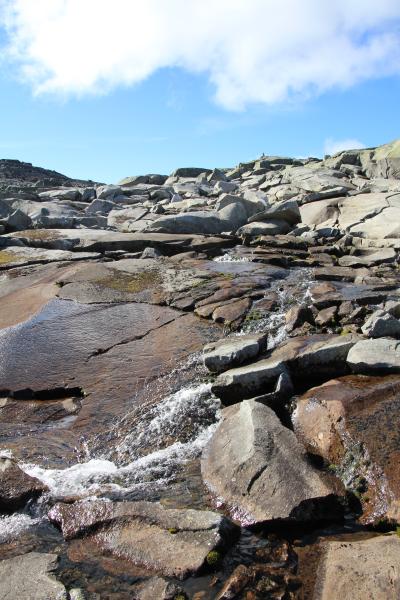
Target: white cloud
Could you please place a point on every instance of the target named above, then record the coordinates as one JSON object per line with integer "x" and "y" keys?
{"x": 333, "y": 146}
{"x": 264, "y": 51}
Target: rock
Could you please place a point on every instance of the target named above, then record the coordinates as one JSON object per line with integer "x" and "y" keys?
{"x": 287, "y": 211}
{"x": 157, "y": 588}
{"x": 271, "y": 227}
{"x": 234, "y": 215}
{"x": 381, "y": 355}
{"x": 258, "y": 470}
{"x": 353, "y": 423}
{"x": 62, "y": 194}
{"x": 296, "y": 316}
{"x": 189, "y": 172}
{"x": 219, "y": 356}
{"x": 102, "y": 207}
{"x": 190, "y": 222}
{"x": 381, "y": 324}
{"x": 233, "y": 312}
{"x": 245, "y": 382}
{"x": 108, "y": 192}
{"x": 16, "y": 487}
{"x": 31, "y": 577}
{"x": 326, "y": 316}
{"x": 386, "y": 255}
{"x": 383, "y": 161}
{"x": 393, "y": 308}
{"x": 357, "y": 570}
{"x": 174, "y": 542}
{"x": 225, "y": 187}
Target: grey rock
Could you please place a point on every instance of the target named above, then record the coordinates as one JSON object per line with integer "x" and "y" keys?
{"x": 157, "y": 588}
{"x": 234, "y": 216}
{"x": 226, "y": 353}
{"x": 259, "y": 470}
{"x": 369, "y": 259}
{"x": 286, "y": 211}
{"x": 380, "y": 355}
{"x": 271, "y": 227}
{"x": 62, "y": 194}
{"x": 31, "y": 577}
{"x": 108, "y": 192}
{"x": 102, "y": 207}
{"x": 381, "y": 324}
{"x": 190, "y": 222}
{"x": 225, "y": 187}
{"x": 189, "y": 172}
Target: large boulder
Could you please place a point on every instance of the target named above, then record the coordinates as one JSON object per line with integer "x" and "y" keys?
{"x": 381, "y": 324}
{"x": 31, "y": 577}
{"x": 270, "y": 227}
{"x": 174, "y": 542}
{"x": 256, "y": 468}
{"x": 359, "y": 570}
{"x": 380, "y": 355}
{"x": 286, "y": 211}
{"x": 383, "y": 161}
{"x": 191, "y": 222}
{"x": 354, "y": 424}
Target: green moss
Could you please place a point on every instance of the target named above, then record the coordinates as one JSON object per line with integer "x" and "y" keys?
{"x": 172, "y": 530}
{"x": 213, "y": 558}
{"x": 125, "y": 282}
{"x": 254, "y": 315}
{"x": 180, "y": 597}
{"x": 398, "y": 531}
{"x": 40, "y": 234}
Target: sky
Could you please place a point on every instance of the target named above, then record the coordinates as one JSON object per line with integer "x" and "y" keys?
{"x": 103, "y": 90}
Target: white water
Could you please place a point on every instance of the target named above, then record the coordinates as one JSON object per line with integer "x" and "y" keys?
{"x": 193, "y": 408}
{"x": 231, "y": 258}
{"x": 13, "y": 526}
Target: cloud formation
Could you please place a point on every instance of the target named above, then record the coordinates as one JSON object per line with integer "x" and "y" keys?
{"x": 333, "y": 146}
{"x": 252, "y": 50}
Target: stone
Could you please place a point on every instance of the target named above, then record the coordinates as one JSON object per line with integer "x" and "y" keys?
{"x": 286, "y": 211}
{"x": 353, "y": 423}
{"x": 271, "y": 227}
{"x": 31, "y": 577}
{"x": 381, "y": 324}
{"x": 386, "y": 255}
{"x": 326, "y": 316}
{"x": 189, "y": 172}
{"x": 380, "y": 355}
{"x": 190, "y": 222}
{"x": 223, "y": 354}
{"x": 225, "y": 187}
{"x": 16, "y": 487}
{"x": 157, "y": 588}
{"x": 234, "y": 215}
{"x": 258, "y": 471}
{"x": 174, "y": 542}
{"x": 296, "y": 316}
{"x": 357, "y": 570}
{"x": 108, "y": 192}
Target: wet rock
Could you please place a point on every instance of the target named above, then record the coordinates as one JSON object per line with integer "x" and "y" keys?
{"x": 259, "y": 471}
{"x": 171, "y": 541}
{"x": 296, "y": 316}
{"x": 235, "y": 583}
{"x": 16, "y": 487}
{"x": 360, "y": 569}
{"x": 160, "y": 589}
{"x": 232, "y": 313}
{"x": 219, "y": 356}
{"x": 326, "y": 316}
{"x": 381, "y": 324}
{"x": 380, "y": 355}
{"x": 31, "y": 577}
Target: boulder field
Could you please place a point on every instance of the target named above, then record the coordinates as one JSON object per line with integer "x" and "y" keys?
{"x": 200, "y": 382}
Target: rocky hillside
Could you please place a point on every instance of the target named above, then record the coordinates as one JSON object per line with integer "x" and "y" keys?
{"x": 200, "y": 382}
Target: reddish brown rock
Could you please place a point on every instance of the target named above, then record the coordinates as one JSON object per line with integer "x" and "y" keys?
{"x": 16, "y": 487}
{"x": 354, "y": 424}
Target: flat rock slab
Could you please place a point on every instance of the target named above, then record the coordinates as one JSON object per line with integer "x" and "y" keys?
{"x": 31, "y": 577}
{"x": 18, "y": 256}
{"x": 258, "y": 470}
{"x": 323, "y": 354}
{"x": 101, "y": 240}
{"x": 173, "y": 542}
{"x": 378, "y": 356}
{"x": 354, "y": 423}
{"x": 360, "y": 570}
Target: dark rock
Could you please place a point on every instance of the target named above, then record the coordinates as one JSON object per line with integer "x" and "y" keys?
{"x": 16, "y": 487}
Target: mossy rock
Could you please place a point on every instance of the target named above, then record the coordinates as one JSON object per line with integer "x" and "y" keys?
{"x": 125, "y": 282}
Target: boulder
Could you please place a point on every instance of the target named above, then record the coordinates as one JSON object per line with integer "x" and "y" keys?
{"x": 223, "y": 354}
{"x": 286, "y": 211}
{"x": 16, "y": 487}
{"x": 234, "y": 216}
{"x": 271, "y": 227}
{"x": 190, "y": 222}
{"x": 174, "y": 542}
{"x": 189, "y": 172}
{"x": 258, "y": 470}
{"x": 380, "y": 355}
{"x": 157, "y": 588}
{"x": 357, "y": 570}
{"x": 225, "y": 187}
{"x": 354, "y": 423}
{"x": 31, "y": 577}
{"x": 381, "y": 324}
{"x": 108, "y": 192}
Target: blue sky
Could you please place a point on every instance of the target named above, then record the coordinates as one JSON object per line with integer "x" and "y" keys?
{"x": 177, "y": 113}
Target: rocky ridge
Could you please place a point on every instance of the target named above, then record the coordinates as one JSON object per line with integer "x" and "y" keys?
{"x": 214, "y": 340}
